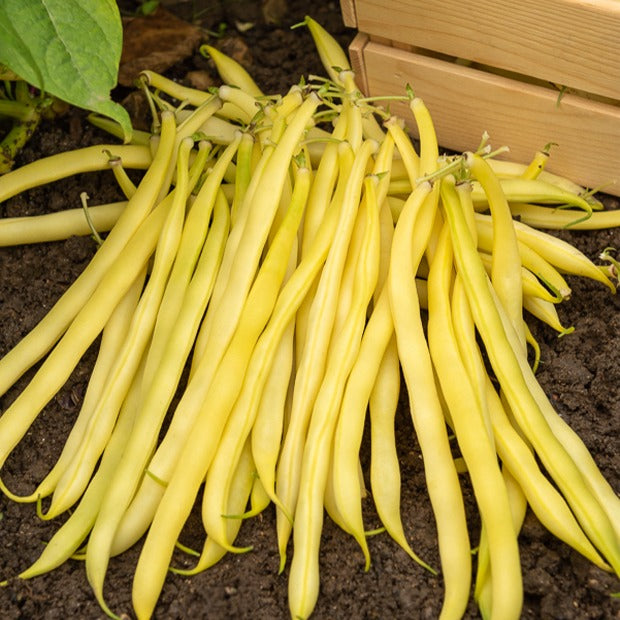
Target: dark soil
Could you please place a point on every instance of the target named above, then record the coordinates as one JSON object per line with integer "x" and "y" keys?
{"x": 580, "y": 372}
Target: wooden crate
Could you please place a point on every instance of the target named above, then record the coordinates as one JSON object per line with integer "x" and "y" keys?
{"x": 527, "y": 72}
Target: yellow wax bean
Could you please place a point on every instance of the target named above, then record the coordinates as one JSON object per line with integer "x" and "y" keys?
{"x": 69, "y": 163}
{"x": 429, "y": 152}
{"x": 402, "y": 187}
{"x": 80, "y": 334}
{"x": 530, "y": 259}
{"x": 544, "y": 499}
{"x": 510, "y": 365}
{"x": 350, "y": 425}
{"x": 504, "y": 168}
{"x": 193, "y": 96}
{"x": 190, "y": 247}
{"x": 354, "y": 134}
{"x": 188, "y": 129}
{"x": 259, "y": 501}
{"x": 536, "y": 166}
{"x": 33, "y": 346}
{"x": 125, "y": 184}
{"x": 304, "y": 574}
{"x": 100, "y": 425}
{"x": 238, "y": 427}
{"x": 329, "y": 502}
{"x": 138, "y": 137}
{"x": 286, "y": 105}
{"x": 546, "y": 312}
{"x": 323, "y": 184}
{"x": 537, "y": 191}
{"x": 114, "y": 333}
{"x": 58, "y": 225}
{"x": 582, "y": 459}
{"x": 324, "y": 189}
{"x": 384, "y": 465}
{"x": 557, "y": 218}
{"x": 382, "y": 168}
{"x": 311, "y": 367}
{"x": 268, "y": 428}
{"x": 465, "y": 334}
{"x": 75, "y": 529}
{"x": 426, "y": 409}
{"x": 483, "y": 589}
{"x": 246, "y": 103}
{"x": 240, "y": 490}
{"x": 559, "y": 253}
{"x": 347, "y": 282}
{"x": 231, "y": 71}
{"x": 535, "y": 346}
{"x": 332, "y": 56}
{"x": 218, "y": 130}
{"x": 243, "y": 173}
{"x": 396, "y": 206}
{"x": 179, "y": 495}
{"x": 399, "y": 171}
{"x": 362, "y": 384}
{"x": 469, "y": 422}
{"x": 506, "y": 259}
{"x": 382, "y": 405}
{"x": 372, "y": 129}
{"x": 166, "y": 377}
{"x": 409, "y": 158}
{"x": 531, "y": 285}
{"x": 387, "y": 234}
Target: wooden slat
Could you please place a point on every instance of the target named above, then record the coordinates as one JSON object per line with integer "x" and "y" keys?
{"x": 356, "y": 56}
{"x": 574, "y": 43}
{"x": 465, "y": 102}
{"x": 347, "y": 8}
{"x": 383, "y": 40}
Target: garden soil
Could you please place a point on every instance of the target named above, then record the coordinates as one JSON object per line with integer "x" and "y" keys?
{"x": 580, "y": 372}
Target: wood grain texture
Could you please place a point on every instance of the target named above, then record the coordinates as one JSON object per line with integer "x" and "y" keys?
{"x": 349, "y": 18}
{"x": 356, "y": 56}
{"x": 465, "y": 102}
{"x": 574, "y": 43}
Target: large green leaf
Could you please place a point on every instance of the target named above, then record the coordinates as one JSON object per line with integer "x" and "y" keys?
{"x": 68, "y": 48}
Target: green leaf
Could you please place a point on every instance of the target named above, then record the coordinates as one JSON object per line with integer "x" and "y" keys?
{"x": 68, "y": 48}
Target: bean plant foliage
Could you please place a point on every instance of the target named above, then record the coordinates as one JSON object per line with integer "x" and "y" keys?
{"x": 67, "y": 48}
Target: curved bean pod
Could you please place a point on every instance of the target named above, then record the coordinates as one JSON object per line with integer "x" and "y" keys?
{"x": 40, "y": 340}
{"x": 63, "y": 165}
{"x": 516, "y": 379}
{"x": 100, "y": 425}
{"x": 311, "y": 367}
{"x": 304, "y": 572}
{"x": 58, "y": 225}
{"x": 139, "y": 513}
{"x": 75, "y": 529}
{"x": 231, "y": 71}
{"x": 558, "y": 218}
{"x": 426, "y": 409}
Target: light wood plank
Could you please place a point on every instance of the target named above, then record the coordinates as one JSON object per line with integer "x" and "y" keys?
{"x": 574, "y": 43}
{"x": 356, "y": 56}
{"x": 383, "y": 40}
{"x": 347, "y": 8}
{"x": 465, "y": 102}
